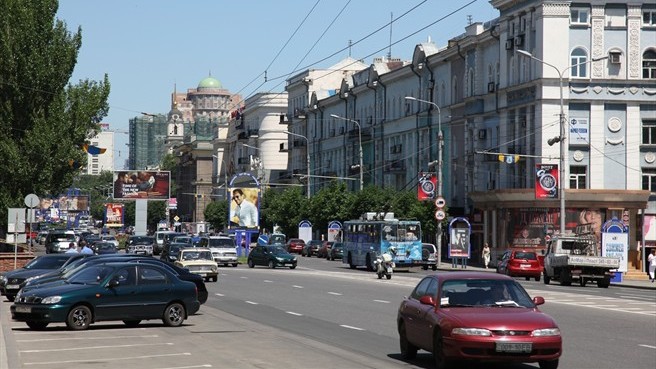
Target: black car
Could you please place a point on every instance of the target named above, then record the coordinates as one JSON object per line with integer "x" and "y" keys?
{"x": 311, "y": 248}
{"x": 271, "y": 256}
{"x": 140, "y": 245}
{"x": 171, "y": 251}
{"x": 10, "y": 282}
{"x": 104, "y": 248}
{"x": 336, "y": 251}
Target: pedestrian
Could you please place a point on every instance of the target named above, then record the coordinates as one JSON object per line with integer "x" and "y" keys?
{"x": 486, "y": 255}
{"x": 652, "y": 265}
{"x": 71, "y": 248}
{"x": 85, "y": 249}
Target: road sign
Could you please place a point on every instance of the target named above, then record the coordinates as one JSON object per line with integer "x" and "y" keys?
{"x": 440, "y": 214}
{"x": 32, "y": 200}
{"x": 440, "y": 202}
{"x": 176, "y": 218}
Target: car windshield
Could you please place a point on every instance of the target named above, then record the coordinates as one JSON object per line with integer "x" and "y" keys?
{"x": 106, "y": 246}
{"x": 63, "y": 237}
{"x": 196, "y": 255}
{"x": 47, "y": 262}
{"x": 277, "y": 250}
{"x": 525, "y": 255}
{"x": 93, "y": 274}
{"x": 484, "y": 293}
{"x": 109, "y": 238}
{"x": 221, "y": 242}
{"x": 141, "y": 240}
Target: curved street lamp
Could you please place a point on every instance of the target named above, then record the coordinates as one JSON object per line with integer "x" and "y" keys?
{"x": 360, "y": 142}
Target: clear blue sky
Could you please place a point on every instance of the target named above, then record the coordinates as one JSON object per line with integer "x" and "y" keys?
{"x": 148, "y": 46}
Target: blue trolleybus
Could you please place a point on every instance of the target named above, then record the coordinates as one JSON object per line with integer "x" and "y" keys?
{"x": 364, "y": 240}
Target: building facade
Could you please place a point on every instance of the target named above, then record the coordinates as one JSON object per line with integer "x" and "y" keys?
{"x": 97, "y": 163}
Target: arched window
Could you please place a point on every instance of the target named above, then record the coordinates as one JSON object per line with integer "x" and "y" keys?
{"x": 578, "y": 63}
{"x": 649, "y": 64}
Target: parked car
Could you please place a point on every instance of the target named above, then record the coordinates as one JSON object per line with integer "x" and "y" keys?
{"x": 223, "y": 249}
{"x": 198, "y": 260}
{"x": 10, "y": 282}
{"x": 105, "y": 248}
{"x": 140, "y": 245}
{"x": 295, "y": 245}
{"x": 324, "y": 250}
{"x": 516, "y": 263}
{"x": 336, "y": 251}
{"x": 311, "y": 248}
{"x": 429, "y": 256}
{"x": 477, "y": 316}
{"x": 58, "y": 241}
{"x": 109, "y": 238}
{"x": 271, "y": 256}
{"x": 109, "y": 292}
{"x": 171, "y": 251}
{"x": 41, "y": 237}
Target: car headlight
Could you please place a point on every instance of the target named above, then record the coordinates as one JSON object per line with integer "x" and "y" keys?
{"x": 546, "y": 332}
{"x": 471, "y": 332}
{"x": 215, "y": 268}
{"x": 51, "y": 300}
{"x": 280, "y": 259}
{"x": 32, "y": 278}
{"x": 3, "y": 279}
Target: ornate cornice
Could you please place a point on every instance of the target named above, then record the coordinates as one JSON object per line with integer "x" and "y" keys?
{"x": 555, "y": 10}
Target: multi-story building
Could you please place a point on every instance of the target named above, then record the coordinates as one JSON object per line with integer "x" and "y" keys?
{"x": 147, "y": 139}
{"x": 497, "y": 92}
{"x": 97, "y": 163}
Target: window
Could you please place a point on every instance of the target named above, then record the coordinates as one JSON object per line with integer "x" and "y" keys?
{"x": 577, "y": 177}
{"x": 615, "y": 16}
{"x": 579, "y": 15}
{"x": 649, "y": 64}
{"x": 649, "y": 179}
{"x": 578, "y": 63}
{"x": 649, "y": 17}
{"x": 649, "y": 132}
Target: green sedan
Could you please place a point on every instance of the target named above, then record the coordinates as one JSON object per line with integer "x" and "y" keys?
{"x": 271, "y": 256}
{"x": 114, "y": 291}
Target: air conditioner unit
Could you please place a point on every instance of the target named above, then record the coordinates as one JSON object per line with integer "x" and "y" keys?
{"x": 519, "y": 40}
{"x": 490, "y": 87}
{"x": 509, "y": 44}
{"x": 615, "y": 57}
{"x": 482, "y": 134}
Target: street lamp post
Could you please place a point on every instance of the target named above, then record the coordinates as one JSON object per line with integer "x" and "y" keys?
{"x": 307, "y": 158}
{"x": 360, "y": 142}
{"x": 440, "y": 147}
{"x": 225, "y": 175}
{"x": 563, "y": 130}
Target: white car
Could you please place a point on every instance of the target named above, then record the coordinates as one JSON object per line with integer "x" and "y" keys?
{"x": 109, "y": 238}
{"x": 223, "y": 249}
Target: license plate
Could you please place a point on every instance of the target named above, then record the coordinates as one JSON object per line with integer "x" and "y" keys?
{"x": 13, "y": 286}
{"x": 514, "y": 347}
{"x": 525, "y": 265}
{"x": 23, "y": 309}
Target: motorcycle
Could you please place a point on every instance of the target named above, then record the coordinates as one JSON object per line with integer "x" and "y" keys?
{"x": 384, "y": 266}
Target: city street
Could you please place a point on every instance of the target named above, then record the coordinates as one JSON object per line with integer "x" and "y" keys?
{"x": 328, "y": 315}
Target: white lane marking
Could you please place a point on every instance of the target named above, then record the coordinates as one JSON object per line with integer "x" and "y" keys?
{"x": 648, "y": 346}
{"x": 295, "y": 286}
{"x": 97, "y": 347}
{"x": 351, "y": 327}
{"x": 267, "y": 281}
{"x": 114, "y": 358}
{"x": 243, "y": 277}
{"x": 293, "y": 313}
{"x": 595, "y": 298}
{"x": 382, "y": 301}
{"x": 251, "y": 302}
{"x": 335, "y": 293}
{"x": 190, "y": 367}
{"x": 219, "y": 294}
{"x": 87, "y": 338}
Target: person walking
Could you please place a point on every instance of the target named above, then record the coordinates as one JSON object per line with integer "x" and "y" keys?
{"x": 486, "y": 255}
{"x": 71, "y": 249}
{"x": 652, "y": 265}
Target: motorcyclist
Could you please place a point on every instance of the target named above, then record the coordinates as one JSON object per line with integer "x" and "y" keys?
{"x": 385, "y": 263}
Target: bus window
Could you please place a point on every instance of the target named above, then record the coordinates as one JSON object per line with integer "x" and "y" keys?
{"x": 390, "y": 232}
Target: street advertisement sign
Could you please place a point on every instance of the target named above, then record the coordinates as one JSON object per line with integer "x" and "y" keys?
{"x": 305, "y": 230}
{"x": 426, "y": 186}
{"x": 151, "y": 185}
{"x": 579, "y": 129}
{"x": 114, "y": 215}
{"x": 616, "y": 245}
{"x": 334, "y": 231}
{"x": 244, "y": 190}
{"x": 459, "y": 240}
{"x": 546, "y": 181}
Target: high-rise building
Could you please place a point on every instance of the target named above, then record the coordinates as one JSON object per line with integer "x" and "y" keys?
{"x": 97, "y": 163}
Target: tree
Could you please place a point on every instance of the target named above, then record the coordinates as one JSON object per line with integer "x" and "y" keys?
{"x": 282, "y": 208}
{"x": 44, "y": 119}
{"x": 216, "y": 213}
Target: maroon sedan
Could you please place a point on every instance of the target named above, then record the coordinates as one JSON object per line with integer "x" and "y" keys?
{"x": 295, "y": 245}
{"x": 517, "y": 263}
{"x": 477, "y": 316}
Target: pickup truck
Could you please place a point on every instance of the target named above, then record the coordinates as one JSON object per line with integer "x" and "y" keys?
{"x": 576, "y": 257}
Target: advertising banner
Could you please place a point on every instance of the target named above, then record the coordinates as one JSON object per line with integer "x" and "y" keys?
{"x": 546, "y": 181}
{"x": 579, "y": 129}
{"x": 132, "y": 185}
{"x": 244, "y": 207}
{"x": 427, "y": 186}
{"x": 114, "y": 215}
{"x": 616, "y": 245}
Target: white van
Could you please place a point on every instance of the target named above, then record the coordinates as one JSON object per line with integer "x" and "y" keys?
{"x": 159, "y": 241}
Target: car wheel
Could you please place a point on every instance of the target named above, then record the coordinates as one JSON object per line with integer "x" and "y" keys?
{"x": 551, "y": 364}
{"x": 215, "y": 278}
{"x": 408, "y": 350}
{"x": 293, "y": 266}
{"x": 537, "y": 279}
{"x": 271, "y": 264}
{"x": 528, "y": 278}
{"x": 350, "y": 261}
{"x": 79, "y": 318}
{"x": 131, "y": 323}
{"x": 424, "y": 267}
{"x": 235, "y": 264}
{"x": 434, "y": 267}
{"x": 174, "y": 315}
{"x": 582, "y": 281}
{"x": 37, "y": 326}
{"x": 251, "y": 264}
{"x": 603, "y": 283}
{"x": 438, "y": 352}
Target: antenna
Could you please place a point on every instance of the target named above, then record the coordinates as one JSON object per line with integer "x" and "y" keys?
{"x": 350, "y": 44}
{"x": 470, "y": 19}
{"x": 389, "y": 50}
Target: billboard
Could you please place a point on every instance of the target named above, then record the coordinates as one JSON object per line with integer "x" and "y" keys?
{"x": 426, "y": 187}
{"x": 244, "y": 207}
{"x": 143, "y": 184}
{"x": 546, "y": 181}
{"x": 114, "y": 215}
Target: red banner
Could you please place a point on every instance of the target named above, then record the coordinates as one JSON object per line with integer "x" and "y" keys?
{"x": 546, "y": 181}
{"x": 426, "y": 189}
{"x": 114, "y": 215}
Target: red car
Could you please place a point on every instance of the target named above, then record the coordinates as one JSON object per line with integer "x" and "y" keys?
{"x": 516, "y": 263}
{"x": 295, "y": 245}
{"x": 477, "y": 316}
{"x": 324, "y": 250}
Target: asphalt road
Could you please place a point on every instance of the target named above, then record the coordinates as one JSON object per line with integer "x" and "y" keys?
{"x": 324, "y": 315}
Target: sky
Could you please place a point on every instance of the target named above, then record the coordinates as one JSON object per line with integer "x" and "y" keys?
{"x": 148, "y": 47}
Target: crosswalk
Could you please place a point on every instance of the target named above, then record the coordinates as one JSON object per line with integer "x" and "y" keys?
{"x": 627, "y": 303}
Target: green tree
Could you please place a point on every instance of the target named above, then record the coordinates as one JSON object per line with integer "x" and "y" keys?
{"x": 216, "y": 213}
{"x": 282, "y": 208}
{"x": 330, "y": 203}
{"x": 99, "y": 188}
{"x": 44, "y": 119}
